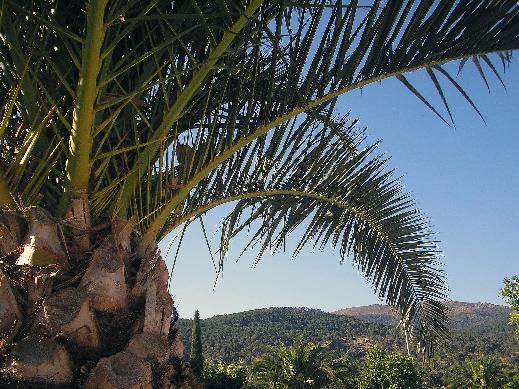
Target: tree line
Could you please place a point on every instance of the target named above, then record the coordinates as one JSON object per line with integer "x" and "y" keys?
{"x": 310, "y": 365}
{"x": 470, "y": 362}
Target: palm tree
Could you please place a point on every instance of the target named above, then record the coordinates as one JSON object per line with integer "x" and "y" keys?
{"x": 483, "y": 373}
{"x": 298, "y": 366}
{"x": 126, "y": 120}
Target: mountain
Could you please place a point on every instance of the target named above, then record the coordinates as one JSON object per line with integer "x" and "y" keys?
{"x": 481, "y": 317}
{"x": 477, "y": 329}
{"x": 248, "y": 334}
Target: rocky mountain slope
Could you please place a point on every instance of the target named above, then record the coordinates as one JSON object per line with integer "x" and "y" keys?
{"x": 464, "y": 316}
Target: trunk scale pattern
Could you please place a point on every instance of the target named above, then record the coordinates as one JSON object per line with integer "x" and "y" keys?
{"x": 96, "y": 318}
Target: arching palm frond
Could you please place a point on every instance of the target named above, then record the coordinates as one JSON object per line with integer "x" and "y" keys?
{"x": 307, "y": 178}
{"x": 307, "y": 57}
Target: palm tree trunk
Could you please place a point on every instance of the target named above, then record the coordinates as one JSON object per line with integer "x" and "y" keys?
{"x": 101, "y": 318}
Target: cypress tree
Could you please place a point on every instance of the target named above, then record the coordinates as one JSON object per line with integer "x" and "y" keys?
{"x": 196, "y": 358}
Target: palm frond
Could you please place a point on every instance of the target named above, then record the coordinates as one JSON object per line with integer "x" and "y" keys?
{"x": 289, "y": 58}
{"x": 352, "y": 51}
{"x": 5, "y": 196}
{"x": 81, "y": 136}
{"x": 306, "y": 179}
{"x": 182, "y": 100}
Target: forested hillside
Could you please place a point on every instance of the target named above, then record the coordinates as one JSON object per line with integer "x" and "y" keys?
{"x": 245, "y": 335}
{"x": 479, "y": 330}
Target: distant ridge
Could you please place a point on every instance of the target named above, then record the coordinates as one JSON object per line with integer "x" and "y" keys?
{"x": 463, "y": 315}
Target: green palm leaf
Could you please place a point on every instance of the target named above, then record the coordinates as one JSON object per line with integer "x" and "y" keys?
{"x": 306, "y": 178}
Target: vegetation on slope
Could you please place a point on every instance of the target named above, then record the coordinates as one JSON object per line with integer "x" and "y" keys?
{"x": 510, "y": 293}
{"x": 245, "y": 336}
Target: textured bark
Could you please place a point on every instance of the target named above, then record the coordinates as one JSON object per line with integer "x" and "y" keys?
{"x": 105, "y": 322}
{"x": 123, "y": 370}
{"x": 41, "y": 360}
{"x": 10, "y": 314}
{"x": 104, "y": 279}
{"x": 42, "y": 244}
{"x": 68, "y": 313}
{"x": 12, "y": 231}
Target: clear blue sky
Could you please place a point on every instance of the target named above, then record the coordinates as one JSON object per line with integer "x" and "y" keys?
{"x": 466, "y": 180}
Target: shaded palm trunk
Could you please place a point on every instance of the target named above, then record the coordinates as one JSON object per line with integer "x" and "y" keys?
{"x": 97, "y": 318}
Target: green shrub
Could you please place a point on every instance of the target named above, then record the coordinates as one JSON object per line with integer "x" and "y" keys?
{"x": 219, "y": 375}
{"x": 389, "y": 371}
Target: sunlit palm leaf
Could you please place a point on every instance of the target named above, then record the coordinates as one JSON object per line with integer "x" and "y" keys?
{"x": 354, "y": 49}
